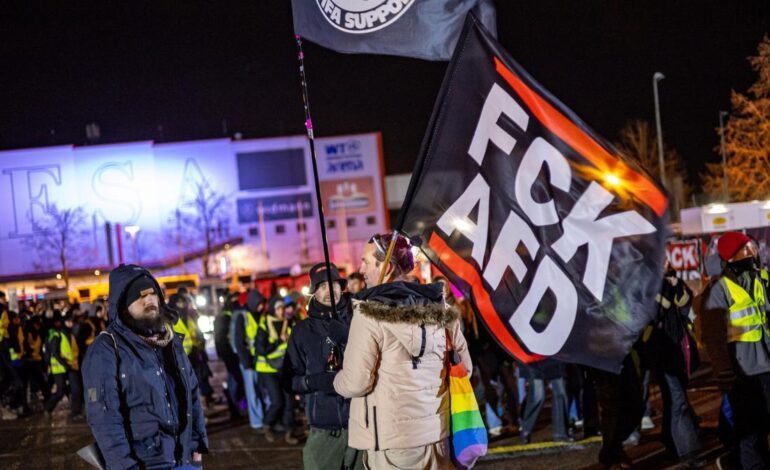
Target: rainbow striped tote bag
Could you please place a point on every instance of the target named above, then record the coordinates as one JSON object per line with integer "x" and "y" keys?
{"x": 469, "y": 435}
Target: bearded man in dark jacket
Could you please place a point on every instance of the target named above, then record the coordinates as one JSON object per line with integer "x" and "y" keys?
{"x": 142, "y": 399}
{"x": 314, "y": 355}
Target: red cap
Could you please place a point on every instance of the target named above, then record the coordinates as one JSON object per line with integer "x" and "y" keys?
{"x": 730, "y": 243}
{"x": 242, "y": 298}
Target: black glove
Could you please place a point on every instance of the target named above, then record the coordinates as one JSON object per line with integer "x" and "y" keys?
{"x": 323, "y": 382}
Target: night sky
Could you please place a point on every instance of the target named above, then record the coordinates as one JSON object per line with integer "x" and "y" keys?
{"x": 135, "y": 66}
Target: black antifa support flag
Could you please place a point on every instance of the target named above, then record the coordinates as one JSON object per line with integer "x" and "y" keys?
{"x": 557, "y": 241}
{"x": 425, "y": 29}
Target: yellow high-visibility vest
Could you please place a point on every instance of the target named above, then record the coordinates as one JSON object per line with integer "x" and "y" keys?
{"x": 263, "y": 364}
{"x": 35, "y": 347}
{"x": 251, "y": 332}
{"x": 65, "y": 351}
{"x": 747, "y": 315}
{"x": 5, "y": 322}
{"x": 187, "y": 342}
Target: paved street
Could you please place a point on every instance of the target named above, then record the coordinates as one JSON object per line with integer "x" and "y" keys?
{"x": 35, "y": 442}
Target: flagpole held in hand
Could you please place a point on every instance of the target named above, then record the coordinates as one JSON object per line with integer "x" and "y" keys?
{"x": 311, "y": 141}
{"x": 388, "y": 256}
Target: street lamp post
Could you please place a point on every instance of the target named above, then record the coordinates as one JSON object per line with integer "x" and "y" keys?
{"x": 655, "y": 79}
{"x": 725, "y": 193}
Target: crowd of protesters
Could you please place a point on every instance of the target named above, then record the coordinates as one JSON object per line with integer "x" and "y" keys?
{"x": 300, "y": 370}
{"x": 44, "y": 343}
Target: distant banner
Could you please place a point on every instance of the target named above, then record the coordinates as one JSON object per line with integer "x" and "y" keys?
{"x": 425, "y": 29}
{"x": 556, "y": 240}
{"x": 274, "y": 208}
{"x": 685, "y": 258}
{"x": 350, "y": 196}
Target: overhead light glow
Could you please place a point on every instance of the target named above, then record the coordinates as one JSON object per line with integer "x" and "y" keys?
{"x": 305, "y": 290}
{"x": 283, "y": 292}
{"x": 58, "y": 276}
{"x": 206, "y": 324}
{"x": 132, "y": 230}
{"x": 612, "y": 179}
{"x": 200, "y": 301}
{"x": 97, "y": 272}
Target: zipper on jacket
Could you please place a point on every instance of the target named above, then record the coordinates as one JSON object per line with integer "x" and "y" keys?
{"x": 376, "y": 438}
{"x": 366, "y": 413}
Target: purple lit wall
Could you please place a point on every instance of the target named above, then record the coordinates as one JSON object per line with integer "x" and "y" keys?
{"x": 267, "y": 184}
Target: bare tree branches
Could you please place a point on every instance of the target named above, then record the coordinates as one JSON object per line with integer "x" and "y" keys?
{"x": 58, "y": 238}
{"x": 202, "y": 218}
{"x": 638, "y": 142}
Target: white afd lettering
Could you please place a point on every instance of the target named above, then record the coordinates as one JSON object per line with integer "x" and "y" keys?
{"x": 456, "y": 217}
{"x": 549, "y": 341}
{"x": 504, "y": 254}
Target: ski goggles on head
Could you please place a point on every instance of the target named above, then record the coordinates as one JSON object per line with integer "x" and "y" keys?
{"x": 378, "y": 243}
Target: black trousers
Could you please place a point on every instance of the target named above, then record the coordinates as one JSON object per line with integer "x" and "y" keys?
{"x": 75, "y": 392}
{"x": 281, "y": 403}
{"x": 35, "y": 379}
{"x": 680, "y": 432}
{"x": 750, "y": 402}
{"x": 620, "y": 398}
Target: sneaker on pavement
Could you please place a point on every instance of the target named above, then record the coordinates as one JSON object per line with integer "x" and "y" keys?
{"x": 291, "y": 440}
{"x": 647, "y": 423}
{"x": 269, "y": 434}
{"x": 633, "y": 440}
{"x": 7, "y": 414}
{"x": 495, "y": 431}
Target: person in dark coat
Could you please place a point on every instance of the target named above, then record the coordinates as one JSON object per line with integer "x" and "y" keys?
{"x": 676, "y": 359}
{"x": 315, "y": 354}
{"x": 142, "y": 399}
{"x": 228, "y": 356}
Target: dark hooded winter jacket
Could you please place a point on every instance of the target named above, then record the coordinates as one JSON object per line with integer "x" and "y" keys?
{"x": 305, "y": 368}
{"x": 127, "y": 406}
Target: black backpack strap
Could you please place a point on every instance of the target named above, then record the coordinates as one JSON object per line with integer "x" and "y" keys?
{"x": 416, "y": 359}
{"x": 121, "y": 393}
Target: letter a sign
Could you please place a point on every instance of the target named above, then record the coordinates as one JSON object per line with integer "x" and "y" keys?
{"x": 557, "y": 242}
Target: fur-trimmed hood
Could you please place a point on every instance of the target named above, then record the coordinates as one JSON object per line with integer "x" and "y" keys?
{"x": 428, "y": 314}
{"x": 406, "y": 302}
{"x": 397, "y": 347}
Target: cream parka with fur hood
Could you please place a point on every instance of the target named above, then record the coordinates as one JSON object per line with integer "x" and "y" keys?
{"x": 394, "y": 366}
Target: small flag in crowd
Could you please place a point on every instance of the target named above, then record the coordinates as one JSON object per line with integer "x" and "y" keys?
{"x": 425, "y": 29}
{"x": 556, "y": 240}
